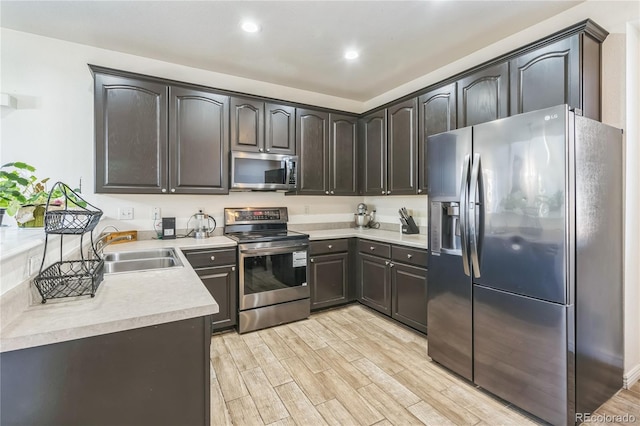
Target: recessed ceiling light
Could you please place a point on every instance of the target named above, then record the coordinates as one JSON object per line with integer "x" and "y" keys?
{"x": 250, "y": 27}
{"x": 351, "y": 54}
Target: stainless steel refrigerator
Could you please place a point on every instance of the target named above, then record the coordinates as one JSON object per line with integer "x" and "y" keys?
{"x": 525, "y": 267}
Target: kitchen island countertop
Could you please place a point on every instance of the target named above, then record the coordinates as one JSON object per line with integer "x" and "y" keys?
{"x": 123, "y": 301}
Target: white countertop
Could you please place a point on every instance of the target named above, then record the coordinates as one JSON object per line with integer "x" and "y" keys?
{"x": 139, "y": 299}
{"x": 415, "y": 240}
{"x": 123, "y": 301}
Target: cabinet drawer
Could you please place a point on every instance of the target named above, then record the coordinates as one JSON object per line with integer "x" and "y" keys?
{"x": 328, "y": 246}
{"x": 210, "y": 257}
{"x": 372, "y": 247}
{"x": 409, "y": 255}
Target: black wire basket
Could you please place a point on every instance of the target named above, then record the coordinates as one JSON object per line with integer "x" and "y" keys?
{"x": 70, "y": 278}
{"x": 75, "y": 217}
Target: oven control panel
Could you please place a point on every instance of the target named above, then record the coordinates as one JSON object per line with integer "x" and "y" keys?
{"x": 252, "y": 215}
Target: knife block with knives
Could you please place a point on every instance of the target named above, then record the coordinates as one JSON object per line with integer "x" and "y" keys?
{"x": 408, "y": 224}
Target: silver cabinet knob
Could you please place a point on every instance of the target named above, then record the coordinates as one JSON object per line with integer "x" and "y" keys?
{"x": 419, "y": 191}
{"x": 213, "y": 258}
{"x": 311, "y": 260}
{"x": 388, "y": 192}
{"x": 260, "y": 150}
{"x": 372, "y": 248}
{"x": 233, "y": 268}
{"x": 383, "y": 192}
{"x": 330, "y": 246}
{"x": 164, "y": 189}
{"x": 268, "y": 149}
{"x": 332, "y": 192}
{"x": 326, "y": 192}
{"x": 390, "y": 265}
{"x": 386, "y": 262}
{"x": 173, "y": 190}
{"x": 409, "y": 256}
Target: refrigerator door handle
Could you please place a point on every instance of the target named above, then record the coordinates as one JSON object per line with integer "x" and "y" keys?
{"x": 464, "y": 194}
{"x": 474, "y": 205}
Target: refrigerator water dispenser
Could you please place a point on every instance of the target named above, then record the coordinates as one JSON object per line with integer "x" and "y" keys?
{"x": 445, "y": 225}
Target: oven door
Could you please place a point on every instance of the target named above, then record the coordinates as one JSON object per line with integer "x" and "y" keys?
{"x": 272, "y": 273}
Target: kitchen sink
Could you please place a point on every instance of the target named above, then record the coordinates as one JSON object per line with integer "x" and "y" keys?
{"x": 142, "y": 260}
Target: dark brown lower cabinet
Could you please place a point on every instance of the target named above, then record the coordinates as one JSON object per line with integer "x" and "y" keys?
{"x": 329, "y": 280}
{"x": 375, "y": 283}
{"x": 409, "y": 295}
{"x": 221, "y": 283}
{"x": 156, "y": 375}
{"x": 217, "y": 271}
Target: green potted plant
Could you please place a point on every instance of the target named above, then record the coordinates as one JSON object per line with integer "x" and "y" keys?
{"x": 24, "y": 195}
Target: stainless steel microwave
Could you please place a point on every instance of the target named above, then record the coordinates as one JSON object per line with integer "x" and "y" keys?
{"x": 263, "y": 171}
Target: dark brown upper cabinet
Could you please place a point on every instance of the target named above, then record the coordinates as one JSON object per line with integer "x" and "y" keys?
{"x": 389, "y": 144}
{"x": 198, "y": 148}
{"x": 343, "y": 155}
{"x": 483, "y": 95}
{"x": 131, "y": 135}
{"x": 262, "y": 127}
{"x": 437, "y": 114}
{"x": 373, "y": 153}
{"x": 247, "y": 125}
{"x": 157, "y": 138}
{"x": 564, "y": 72}
{"x": 280, "y": 129}
{"x": 402, "y": 148}
{"x": 312, "y": 137}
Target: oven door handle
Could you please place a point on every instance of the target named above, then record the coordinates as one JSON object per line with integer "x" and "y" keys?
{"x": 268, "y": 251}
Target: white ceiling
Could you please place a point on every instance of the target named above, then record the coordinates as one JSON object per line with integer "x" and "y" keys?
{"x": 301, "y": 42}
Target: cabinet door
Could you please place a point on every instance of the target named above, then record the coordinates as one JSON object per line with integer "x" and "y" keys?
{"x": 313, "y": 149}
{"x": 131, "y": 135}
{"x": 484, "y": 96}
{"x": 279, "y": 129}
{"x": 375, "y": 283}
{"x": 409, "y": 295}
{"x": 402, "y": 148}
{"x": 198, "y": 142}
{"x": 221, "y": 283}
{"x": 343, "y": 151}
{"x": 329, "y": 279}
{"x": 247, "y": 125}
{"x": 546, "y": 77}
{"x": 373, "y": 154}
{"x": 437, "y": 114}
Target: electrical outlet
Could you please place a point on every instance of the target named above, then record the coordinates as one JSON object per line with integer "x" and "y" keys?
{"x": 34, "y": 264}
{"x": 156, "y": 214}
{"x": 125, "y": 213}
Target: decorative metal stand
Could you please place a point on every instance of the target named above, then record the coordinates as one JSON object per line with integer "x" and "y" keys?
{"x": 72, "y": 277}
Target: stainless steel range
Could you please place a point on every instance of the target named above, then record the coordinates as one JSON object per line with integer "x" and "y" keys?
{"x": 273, "y": 267}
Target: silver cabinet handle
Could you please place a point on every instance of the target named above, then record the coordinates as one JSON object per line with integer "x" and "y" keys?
{"x": 164, "y": 189}
{"x": 173, "y": 190}
{"x": 311, "y": 260}
{"x": 372, "y": 248}
{"x": 330, "y": 246}
{"x": 213, "y": 258}
{"x": 409, "y": 256}
{"x": 233, "y": 268}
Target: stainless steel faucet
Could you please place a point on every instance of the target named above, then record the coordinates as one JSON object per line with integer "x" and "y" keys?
{"x": 100, "y": 244}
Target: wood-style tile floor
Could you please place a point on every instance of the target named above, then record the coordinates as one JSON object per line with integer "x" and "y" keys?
{"x": 349, "y": 366}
